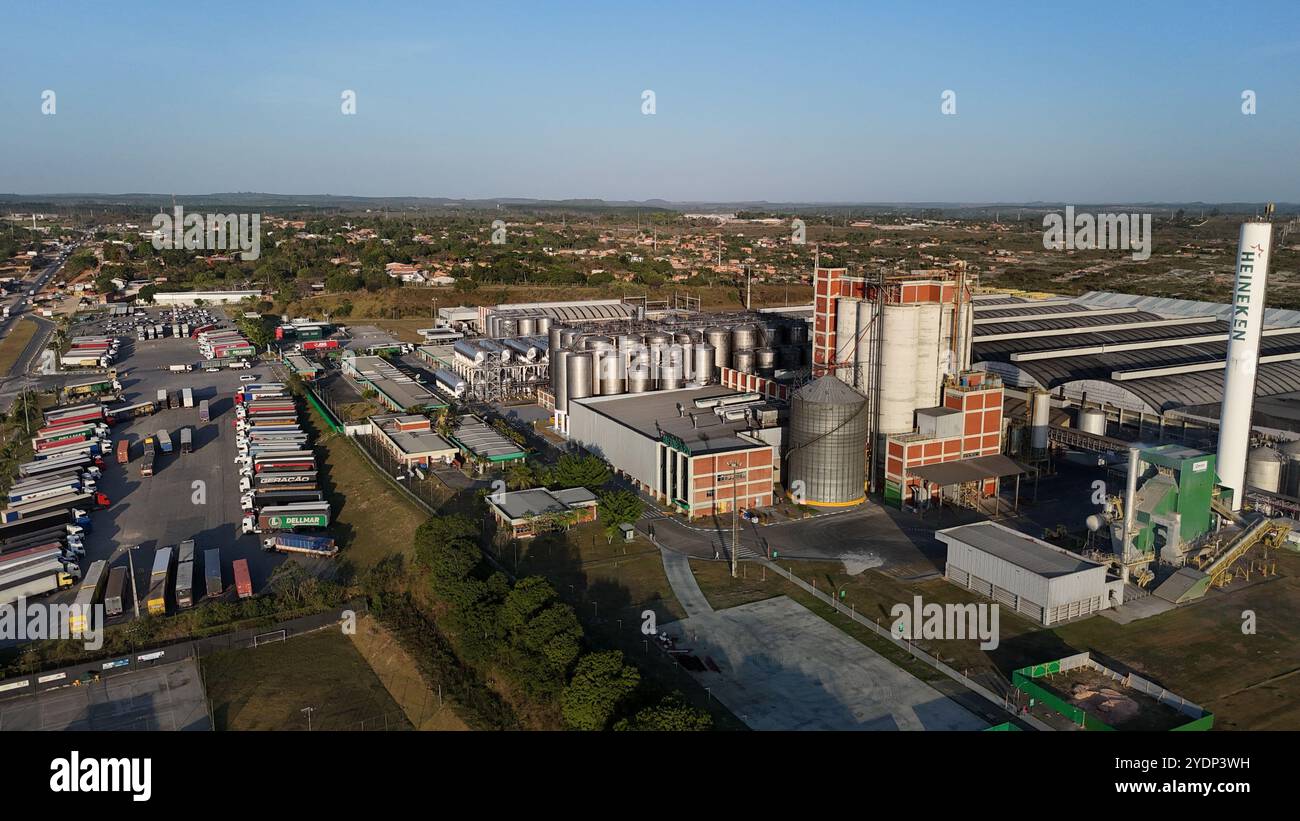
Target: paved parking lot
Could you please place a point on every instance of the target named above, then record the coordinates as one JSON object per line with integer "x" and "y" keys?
{"x": 170, "y": 697}
{"x": 782, "y": 667}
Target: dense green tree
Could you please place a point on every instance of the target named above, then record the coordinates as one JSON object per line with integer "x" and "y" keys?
{"x": 671, "y": 714}
{"x": 601, "y": 682}
{"x": 619, "y": 507}
{"x": 578, "y": 470}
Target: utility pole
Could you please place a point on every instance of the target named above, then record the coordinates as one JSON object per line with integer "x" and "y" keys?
{"x": 308, "y": 711}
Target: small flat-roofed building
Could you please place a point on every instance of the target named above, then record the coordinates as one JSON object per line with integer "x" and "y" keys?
{"x": 1047, "y": 583}
{"x": 522, "y": 514}
{"x": 397, "y": 389}
{"x": 411, "y": 439}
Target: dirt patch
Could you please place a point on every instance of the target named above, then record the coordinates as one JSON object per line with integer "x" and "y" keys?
{"x": 400, "y": 676}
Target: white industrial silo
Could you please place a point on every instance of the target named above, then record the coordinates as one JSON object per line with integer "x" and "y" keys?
{"x": 929, "y": 370}
{"x": 898, "y": 376}
{"x": 868, "y": 334}
{"x": 1264, "y": 469}
{"x": 846, "y": 339}
{"x": 1092, "y": 420}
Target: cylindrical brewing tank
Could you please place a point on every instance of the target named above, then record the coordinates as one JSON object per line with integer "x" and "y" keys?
{"x": 601, "y": 349}
{"x": 720, "y": 339}
{"x": 744, "y": 337}
{"x": 568, "y": 336}
{"x": 1291, "y": 450}
{"x": 682, "y": 338}
{"x": 1040, "y": 418}
{"x": 670, "y": 376}
{"x": 744, "y": 361}
{"x": 1264, "y": 469}
{"x": 898, "y": 369}
{"x": 638, "y": 380}
{"x": 554, "y": 338}
{"x": 543, "y": 324}
{"x": 525, "y": 326}
{"x": 611, "y": 377}
{"x": 929, "y": 370}
{"x": 580, "y": 369}
{"x": 828, "y": 437}
{"x": 592, "y": 342}
{"x": 490, "y": 326}
{"x": 765, "y": 361}
{"x": 560, "y": 379}
{"x": 469, "y": 350}
{"x": 704, "y": 363}
{"x": 1092, "y": 420}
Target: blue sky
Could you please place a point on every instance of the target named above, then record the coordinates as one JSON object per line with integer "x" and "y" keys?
{"x": 811, "y": 101}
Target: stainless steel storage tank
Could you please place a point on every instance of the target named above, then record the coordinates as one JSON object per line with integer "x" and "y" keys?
{"x": 543, "y": 324}
{"x": 828, "y": 439}
{"x": 1040, "y": 410}
{"x": 765, "y": 360}
{"x": 580, "y": 375}
{"x": 560, "y": 379}
{"x": 720, "y": 339}
{"x": 568, "y": 336}
{"x": 670, "y": 376}
{"x": 1264, "y": 469}
{"x": 554, "y": 338}
{"x": 1291, "y": 450}
{"x": 744, "y": 360}
{"x": 638, "y": 380}
{"x": 744, "y": 337}
{"x": 703, "y": 355}
{"x": 525, "y": 326}
{"x": 1092, "y": 420}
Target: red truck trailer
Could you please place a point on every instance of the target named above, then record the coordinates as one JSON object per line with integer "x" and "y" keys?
{"x": 243, "y": 582}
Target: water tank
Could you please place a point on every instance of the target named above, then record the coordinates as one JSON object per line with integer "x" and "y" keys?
{"x": 580, "y": 372}
{"x": 703, "y": 355}
{"x": 743, "y": 360}
{"x": 744, "y": 337}
{"x": 929, "y": 364}
{"x": 525, "y": 326}
{"x": 828, "y": 438}
{"x": 898, "y": 369}
{"x": 638, "y": 380}
{"x": 1264, "y": 469}
{"x": 1040, "y": 418}
{"x": 1092, "y": 420}
{"x": 720, "y": 339}
{"x": 560, "y": 379}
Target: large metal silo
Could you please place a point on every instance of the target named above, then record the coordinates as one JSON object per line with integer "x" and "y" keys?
{"x": 703, "y": 355}
{"x": 929, "y": 363}
{"x": 743, "y": 360}
{"x": 526, "y": 326}
{"x": 828, "y": 439}
{"x": 744, "y": 337}
{"x": 720, "y": 339}
{"x": 898, "y": 377}
{"x": 1264, "y": 469}
{"x": 580, "y": 380}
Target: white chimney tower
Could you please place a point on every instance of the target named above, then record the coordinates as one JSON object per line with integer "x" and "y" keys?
{"x": 1244, "y": 329}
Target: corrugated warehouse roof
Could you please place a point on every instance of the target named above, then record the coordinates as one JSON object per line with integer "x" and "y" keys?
{"x": 1101, "y": 318}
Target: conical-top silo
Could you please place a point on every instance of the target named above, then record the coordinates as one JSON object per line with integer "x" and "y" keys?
{"x": 828, "y": 439}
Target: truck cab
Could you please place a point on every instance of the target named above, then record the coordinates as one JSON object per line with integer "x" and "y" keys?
{"x": 250, "y": 525}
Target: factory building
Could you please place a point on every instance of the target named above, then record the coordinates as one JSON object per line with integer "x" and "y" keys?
{"x": 411, "y": 440}
{"x": 1046, "y": 583}
{"x": 956, "y": 451}
{"x": 702, "y": 450}
{"x": 397, "y": 389}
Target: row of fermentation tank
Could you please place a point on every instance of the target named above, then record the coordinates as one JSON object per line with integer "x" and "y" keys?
{"x": 592, "y": 364}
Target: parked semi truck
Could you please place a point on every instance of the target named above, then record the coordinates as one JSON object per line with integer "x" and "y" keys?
{"x": 212, "y": 572}
{"x": 243, "y": 581}
{"x": 146, "y": 463}
{"x": 301, "y": 543}
{"x": 80, "y": 501}
{"x": 38, "y": 585}
{"x": 156, "y": 600}
{"x": 123, "y": 452}
{"x": 115, "y": 591}
{"x": 87, "y": 595}
{"x": 187, "y": 441}
{"x": 203, "y": 411}
{"x": 314, "y": 515}
{"x": 187, "y": 397}
{"x": 185, "y": 584}
{"x": 165, "y": 441}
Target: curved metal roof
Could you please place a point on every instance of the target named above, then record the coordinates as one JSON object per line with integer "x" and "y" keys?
{"x": 1003, "y": 347}
{"x": 1102, "y": 318}
{"x": 1170, "y": 392}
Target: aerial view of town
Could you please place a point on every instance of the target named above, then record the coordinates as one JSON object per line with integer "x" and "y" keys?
{"x": 588, "y": 371}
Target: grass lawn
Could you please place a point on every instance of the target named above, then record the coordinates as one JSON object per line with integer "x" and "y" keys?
{"x": 1197, "y": 651}
{"x": 372, "y": 519}
{"x": 13, "y": 345}
{"x": 266, "y": 688}
{"x": 401, "y": 677}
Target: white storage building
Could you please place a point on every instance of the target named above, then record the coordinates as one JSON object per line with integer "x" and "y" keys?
{"x": 1042, "y": 581}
